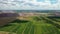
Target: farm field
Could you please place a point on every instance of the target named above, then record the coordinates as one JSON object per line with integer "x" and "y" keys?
{"x": 34, "y": 25}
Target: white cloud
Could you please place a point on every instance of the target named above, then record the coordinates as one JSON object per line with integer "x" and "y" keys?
{"x": 27, "y": 4}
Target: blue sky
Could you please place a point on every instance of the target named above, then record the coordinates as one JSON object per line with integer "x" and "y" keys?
{"x": 29, "y": 4}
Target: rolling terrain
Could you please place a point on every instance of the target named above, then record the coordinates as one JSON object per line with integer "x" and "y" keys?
{"x": 33, "y": 25}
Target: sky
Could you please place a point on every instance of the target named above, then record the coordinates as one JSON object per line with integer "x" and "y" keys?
{"x": 29, "y": 4}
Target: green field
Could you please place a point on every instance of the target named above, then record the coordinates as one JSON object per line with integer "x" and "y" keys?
{"x": 35, "y": 25}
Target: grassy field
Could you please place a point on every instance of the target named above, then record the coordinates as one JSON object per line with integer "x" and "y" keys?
{"x": 34, "y": 25}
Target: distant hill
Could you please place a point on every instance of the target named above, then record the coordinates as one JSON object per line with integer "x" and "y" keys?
{"x": 28, "y": 11}
{"x": 37, "y": 11}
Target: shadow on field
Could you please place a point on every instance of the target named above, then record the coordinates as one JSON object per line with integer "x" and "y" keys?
{"x": 54, "y": 18}
{"x": 19, "y": 21}
{"x": 6, "y": 25}
{"x": 48, "y": 21}
{"x": 55, "y": 24}
{"x": 15, "y": 21}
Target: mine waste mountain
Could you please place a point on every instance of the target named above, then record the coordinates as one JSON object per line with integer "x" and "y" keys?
{"x": 7, "y": 16}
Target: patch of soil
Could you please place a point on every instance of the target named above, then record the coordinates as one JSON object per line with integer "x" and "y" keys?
{"x": 3, "y": 32}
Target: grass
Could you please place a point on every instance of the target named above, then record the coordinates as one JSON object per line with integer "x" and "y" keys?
{"x": 35, "y": 25}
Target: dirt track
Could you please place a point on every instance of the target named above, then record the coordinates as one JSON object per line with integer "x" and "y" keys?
{"x": 3, "y": 32}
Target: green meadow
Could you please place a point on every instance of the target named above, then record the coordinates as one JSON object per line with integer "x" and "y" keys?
{"x": 34, "y": 25}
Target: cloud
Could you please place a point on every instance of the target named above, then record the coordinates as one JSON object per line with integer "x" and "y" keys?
{"x": 29, "y": 5}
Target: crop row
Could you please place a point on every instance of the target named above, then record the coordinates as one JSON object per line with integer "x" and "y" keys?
{"x": 37, "y": 25}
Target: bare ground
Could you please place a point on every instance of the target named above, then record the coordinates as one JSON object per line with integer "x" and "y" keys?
{"x": 6, "y": 20}
{"x": 3, "y": 32}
